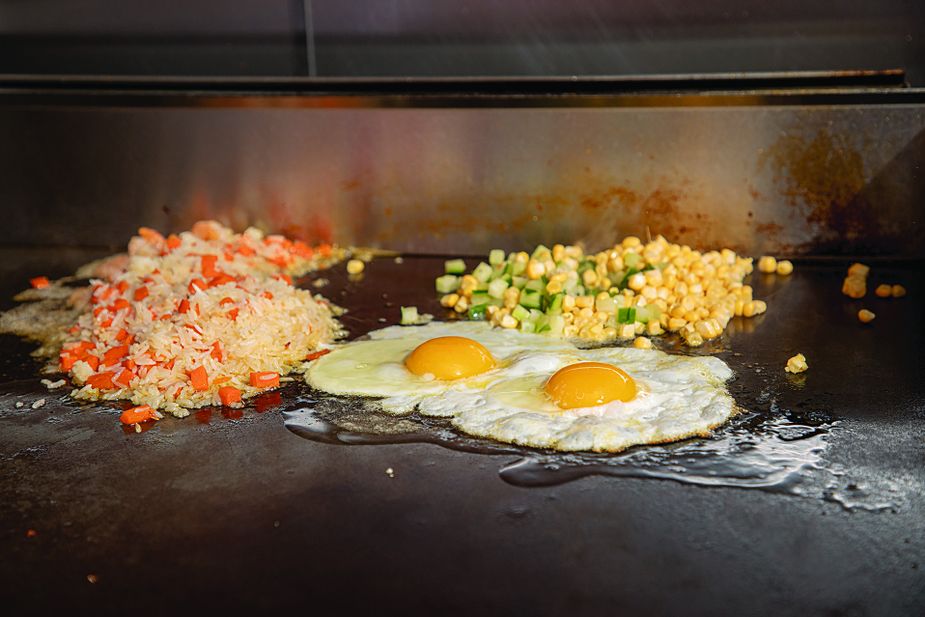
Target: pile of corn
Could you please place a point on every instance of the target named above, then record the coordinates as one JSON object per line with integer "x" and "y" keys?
{"x": 631, "y": 289}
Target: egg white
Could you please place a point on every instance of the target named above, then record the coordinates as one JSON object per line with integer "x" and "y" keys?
{"x": 678, "y": 396}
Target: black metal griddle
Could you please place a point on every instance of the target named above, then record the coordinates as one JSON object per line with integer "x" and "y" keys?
{"x": 225, "y": 510}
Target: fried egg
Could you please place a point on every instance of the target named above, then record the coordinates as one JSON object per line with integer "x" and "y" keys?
{"x": 530, "y": 389}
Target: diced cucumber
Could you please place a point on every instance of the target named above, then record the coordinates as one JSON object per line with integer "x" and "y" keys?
{"x": 477, "y": 312}
{"x": 496, "y": 257}
{"x": 541, "y": 252}
{"x": 647, "y": 313}
{"x": 479, "y": 298}
{"x": 556, "y": 324}
{"x": 409, "y": 315}
{"x": 497, "y": 272}
{"x": 527, "y": 326}
{"x": 482, "y": 272}
{"x": 531, "y": 298}
{"x": 455, "y": 266}
{"x": 535, "y": 285}
{"x": 518, "y": 268}
{"x": 496, "y": 288}
{"x": 536, "y": 315}
{"x": 447, "y": 283}
{"x": 520, "y": 313}
{"x": 626, "y": 314}
{"x": 519, "y": 282}
{"x": 605, "y": 304}
{"x": 632, "y": 260}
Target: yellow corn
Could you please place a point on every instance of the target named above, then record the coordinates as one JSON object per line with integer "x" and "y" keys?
{"x": 883, "y": 291}
{"x": 355, "y": 266}
{"x": 535, "y": 269}
{"x": 449, "y": 300}
{"x": 858, "y": 269}
{"x": 796, "y": 364}
{"x": 784, "y": 267}
{"x": 898, "y": 291}
{"x": 866, "y": 316}
{"x": 767, "y": 264}
{"x": 642, "y": 342}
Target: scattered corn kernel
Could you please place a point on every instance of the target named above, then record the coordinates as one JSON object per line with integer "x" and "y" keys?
{"x": 508, "y": 322}
{"x": 854, "y": 287}
{"x": 796, "y": 364}
{"x": 784, "y": 267}
{"x": 642, "y": 342}
{"x": 449, "y": 300}
{"x": 898, "y": 291}
{"x": 866, "y": 316}
{"x": 355, "y": 266}
{"x": 858, "y": 269}
{"x": 883, "y": 291}
{"x": 767, "y": 264}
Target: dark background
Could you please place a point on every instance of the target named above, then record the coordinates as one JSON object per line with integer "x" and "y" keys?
{"x": 458, "y": 37}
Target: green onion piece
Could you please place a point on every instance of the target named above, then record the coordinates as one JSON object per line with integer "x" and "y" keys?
{"x": 496, "y": 288}
{"x": 531, "y": 298}
{"x": 455, "y": 266}
{"x": 482, "y": 272}
{"x": 496, "y": 257}
{"x": 477, "y": 312}
{"x": 626, "y": 314}
{"x": 625, "y": 280}
{"x": 447, "y": 283}
{"x": 520, "y": 313}
{"x": 409, "y": 315}
{"x": 554, "y": 306}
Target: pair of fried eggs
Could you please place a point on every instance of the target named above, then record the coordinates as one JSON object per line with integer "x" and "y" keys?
{"x": 529, "y": 389}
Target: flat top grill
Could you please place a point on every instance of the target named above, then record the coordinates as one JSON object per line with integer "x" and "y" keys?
{"x": 225, "y": 509}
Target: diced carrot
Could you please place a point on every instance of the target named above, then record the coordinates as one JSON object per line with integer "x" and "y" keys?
{"x": 102, "y": 381}
{"x": 134, "y": 415}
{"x": 208, "y": 265}
{"x": 98, "y": 310}
{"x": 40, "y": 282}
{"x": 229, "y": 395}
{"x": 183, "y": 306}
{"x": 245, "y": 250}
{"x": 121, "y": 335}
{"x": 221, "y": 278}
{"x": 268, "y": 295}
{"x": 122, "y": 286}
{"x": 114, "y": 354}
{"x": 119, "y": 304}
{"x": 219, "y": 380}
{"x": 73, "y": 329}
{"x": 197, "y": 285}
{"x": 280, "y": 260}
{"x": 265, "y": 379}
{"x": 284, "y": 277}
{"x": 225, "y": 300}
{"x": 217, "y": 352}
{"x": 177, "y": 393}
{"x": 317, "y": 354}
{"x": 229, "y": 256}
{"x": 199, "y": 378}
{"x": 124, "y": 378}
{"x": 173, "y": 241}
{"x": 205, "y": 230}
{"x": 233, "y": 314}
{"x": 169, "y": 364}
{"x": 93, "y": 362}
{"x": 141, "y": 293}
{"x": 324, "y": 249}
{"x": 301, "y": 249}
{"x": 129, "y": 364}
{"x": 66, "y": 361}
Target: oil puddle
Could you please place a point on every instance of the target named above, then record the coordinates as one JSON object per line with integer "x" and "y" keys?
{"x": 775, "y": 450}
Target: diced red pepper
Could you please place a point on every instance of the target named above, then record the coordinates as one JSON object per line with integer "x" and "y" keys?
{"x": 124, "y": 378}
{"x": 245, "y": 250}
{"x": 120, "y": 304}
{"x": 199, "y": 378}
{"x": 317, "y": 354}
{"x": 197, "y": 285}
{"x": 122, "y": 286}
{"x": 40, "y": 282}
{"x": 121, "y": 335}
{"x": 268, "y": 295}
{"x": 225, "y": 300}
{"x": 93, "y": 362}
{"x": 183, "y": 306}
{"x": 233, "y": 314}
{"x": 141, "y": 293}
{"x": 173, "y": 241}
{"x": 229, "y": 395}
{"x": 265, "y": 379}
{"x": 221, "y": 278}
{"x": 217, "y": 352}
{"x": 66, "y": 361}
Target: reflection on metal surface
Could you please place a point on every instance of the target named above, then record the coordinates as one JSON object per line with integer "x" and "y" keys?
{"x": 780, "y": 179}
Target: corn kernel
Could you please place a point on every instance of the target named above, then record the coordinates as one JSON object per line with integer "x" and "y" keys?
{"x": 767, "y": 264}
{"x": 898, "y": 291}
{"x": 584, "y": 301}
{"x": 796, "y": 364}
{"x": 461, "y": 306}
{"x": 858, "y": 269}
{"x": 653, "y": 328}
{"x": 535, "y": 269}
{"x": 854, "y": 287}
{"x": 508, "y": 321}
{"x": 627, "y": 331}
{"x": 631, "y": 241}
{"x": 553, "y": 287}
{"x": 558, "y": 252}
{"x": 694, "y": 339}
{"x": 784, "y": 267}
{"x": 866, "y": 316}
{"x": 589, "y": 278}
{"x": 676, "y": 323}
{"x": 883, "y": 291}
{"x": 449, "y": 300}
{"x": 355, "y": 266}
{"x": 642, "y": 342}
{"x": 568, "y": 303}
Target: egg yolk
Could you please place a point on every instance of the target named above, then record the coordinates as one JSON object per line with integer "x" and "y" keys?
{"x": 450, "y": 357}
{"x": 587, "y": 384}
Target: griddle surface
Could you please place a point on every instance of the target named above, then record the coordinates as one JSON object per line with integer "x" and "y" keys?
{"x": 228, "y": 510}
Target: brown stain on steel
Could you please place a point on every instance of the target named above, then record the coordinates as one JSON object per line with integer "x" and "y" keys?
{"x": 822, "y": 177}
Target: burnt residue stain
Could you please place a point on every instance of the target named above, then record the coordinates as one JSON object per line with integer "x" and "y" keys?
{"x": 821, "y": 176}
